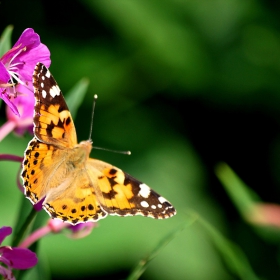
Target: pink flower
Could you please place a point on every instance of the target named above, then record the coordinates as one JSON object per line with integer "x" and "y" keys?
{"x": 16, "y": 89}
{"x": 265, "y": 214}
{"x": 57, "y": 226}
{"x": 17, "y": 258}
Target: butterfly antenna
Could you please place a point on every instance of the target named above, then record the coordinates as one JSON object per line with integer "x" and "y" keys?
{"x": 92, "y": 115}
{"x": 113, "y": 151}
{"x": 90, "y": 132}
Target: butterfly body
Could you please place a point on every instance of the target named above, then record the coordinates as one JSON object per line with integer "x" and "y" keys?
{"x": 58, "y": 170}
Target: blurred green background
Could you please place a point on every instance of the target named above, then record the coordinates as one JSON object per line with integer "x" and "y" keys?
{"x": 183, "y": 85}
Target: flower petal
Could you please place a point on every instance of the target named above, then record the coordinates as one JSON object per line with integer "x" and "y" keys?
{"x": 30, "y": 58}
{"x": 28, "y": 50}
{"x": 39, "y": 205}
{"x": 24, "y": 103}
{"x": 4, "y": 232}
{"x": 20, "y": 258}
{"x": 19, "y": 63}
{"x": 7, "y": 273}
{"x": 28, "y": 38}
{"x": 4, "y": 260}
{"x": 4, "y": 74}
{"x": 81, "y": 230}
{"x": 9, "y": 103}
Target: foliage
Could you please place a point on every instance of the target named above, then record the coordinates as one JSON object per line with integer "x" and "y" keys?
{"x": 184, "y": 85}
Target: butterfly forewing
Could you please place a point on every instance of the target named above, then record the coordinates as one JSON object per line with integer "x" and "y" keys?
{"x": 74, "y": 187}
{"x": 53, "y": 123}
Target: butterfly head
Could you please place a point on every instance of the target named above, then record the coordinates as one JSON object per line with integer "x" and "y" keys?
{"x": 86, "y": 145}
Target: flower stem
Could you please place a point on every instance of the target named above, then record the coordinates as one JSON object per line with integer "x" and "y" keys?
{"x": 35, "y": 236}
{"x": 21, "y": 232}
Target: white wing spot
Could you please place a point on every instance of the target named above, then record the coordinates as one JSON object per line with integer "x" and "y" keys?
{"x": 161, "y": 199}
{"x": 42, "y": 85}
{"x": 144, "y": 190}
{"x": 144, "y": 204}
{"x": 159, "y": 206}
{"x": 54, "y": 91}
{"x": 153, "y": 207}
{"x": 44, "y": 93}
{"x": 43, "y": 78}
{"x": 48, "y": 74}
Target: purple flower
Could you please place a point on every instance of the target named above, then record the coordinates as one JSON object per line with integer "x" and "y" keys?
{"x": 76, "y": 231}
{"x": 81, "y": 230}
{"x": 16, "y": 89}
{"x": 17, "y": 258}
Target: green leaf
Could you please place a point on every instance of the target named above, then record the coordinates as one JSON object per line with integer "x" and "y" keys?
{"x": 5, "y": 40}
{"x": 232, "y": 255}
{"x": 24, "y": 220}
{"x": 76, "y": 96}
{"x": 143, "y": 263}
{"x": 241, "y": 195}
{"x": 41, "y": 270}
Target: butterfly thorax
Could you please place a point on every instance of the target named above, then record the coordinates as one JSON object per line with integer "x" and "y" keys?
{"x": 79, "y": 154}
{"x": 67, "y": 166}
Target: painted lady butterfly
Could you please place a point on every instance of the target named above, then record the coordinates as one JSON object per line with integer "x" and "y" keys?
{"x": 75, "y": 187}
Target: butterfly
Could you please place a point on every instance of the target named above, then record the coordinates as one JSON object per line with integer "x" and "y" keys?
{"x": 59, "y": 171}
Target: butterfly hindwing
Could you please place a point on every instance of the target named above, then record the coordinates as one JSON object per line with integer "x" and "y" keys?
{"x": 37, "y": 155}
{"x": 78, "y": 204}
{"x": 123, "y": 195}
{"x": 74, "y": 187}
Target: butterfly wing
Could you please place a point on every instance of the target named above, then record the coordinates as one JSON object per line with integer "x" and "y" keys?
{"x": 38, "y": 159}
{"x": 74, "y": 200}
{"x": 54, "y": 132}
{"x": 68, "y": 192}
{"x": 121, "y": 194}
{"x": 53, "y": 123}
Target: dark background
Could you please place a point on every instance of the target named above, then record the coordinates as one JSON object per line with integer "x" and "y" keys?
{"x": 184, "y": 85}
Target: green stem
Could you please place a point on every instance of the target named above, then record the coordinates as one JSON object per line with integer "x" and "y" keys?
{"x": 21, "y": 232}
